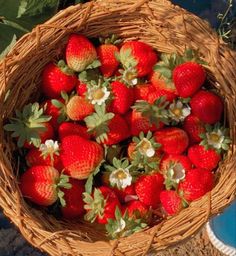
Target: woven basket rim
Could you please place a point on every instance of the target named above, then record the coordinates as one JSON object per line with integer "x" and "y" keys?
{"x": 86, "y": 18}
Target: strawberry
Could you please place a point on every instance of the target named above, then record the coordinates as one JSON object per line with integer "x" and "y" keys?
{"x": 78, "y": 108}
{"x": 137, "y": 58}
{"x": 204, "y": 158}
{"x": 57, "y": 78}
{"x": 141, "y": 91}
{"x": 155, "y": 94}
{"x": 123, "y": 98}
{"x": 47, "y": 154}
{"x": 194, "y": 128}
{"x": 173, "y": 140}
{"x": 108, "y": 128}
{"x": 67, "y": 128}
{"x": 30, "y": 126}
{"x": 55, "y": 112}
{"x": 139, "y": 123}
{"x": 80, "y": 52}
{"x": 188, "y": 78}
{"x": 101, "y": 205}
{"x": 80, "y": 161}
{"x": 171, "y": 202}
{"x": 74, "y": 204}
{"x": 81, "y": 88}
{"x": 196, "y": 184}
{"x": 148, "y": 189}
{"x": 207, "y": 106}
{"x": 136, "y": 209}
{"x": 107, "y": 52}
{"x": 41, "y": 184}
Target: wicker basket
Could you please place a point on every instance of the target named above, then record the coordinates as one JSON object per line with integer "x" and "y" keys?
{"x": 167, "y": 28}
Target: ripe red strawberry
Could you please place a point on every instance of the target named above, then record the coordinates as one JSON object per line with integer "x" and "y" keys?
{"x": 203, "y": 158}
{"x": 80, "y": 52}
{"x": 67, "y": 128}
{"x": 123, "y": 98}
{"x": 139, "y": 123}
{"x": 173, "y": 140}
{"x": 196, "y": 184}
{"x": 136, "y": 209}
{"x": 37, "y": 157}
{"x": 41, "y": 184}
{"x": 57, "y": 78}
{"x": 74, "y": 204}
{"x": 154, "y": 94}
{"x": 79, "y": 156}
{"x": 188, "y": 78}
{"x": 78, "y": 108}
{"x": 141, "y": 91}
{"x": 55, "y": 112}
{"x": 101, "y": 205}
{"x": 194, "y": 128}
{"x": 207, "y": 106}
{"x": 138, "y": 56}
{"x": 81, "y": 88}
{"x": 148, "y": 189}
{"x": 118, "y": 130}
{"x": 171, "y": 202}
{"x": 109, "y": 63}
{"x": 169, "y": 160}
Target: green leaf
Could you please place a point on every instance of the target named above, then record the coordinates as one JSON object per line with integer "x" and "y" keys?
{"x": 35, "y": 7}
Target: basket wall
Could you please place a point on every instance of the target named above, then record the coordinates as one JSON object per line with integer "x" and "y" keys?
{"x": 167, "y": 28}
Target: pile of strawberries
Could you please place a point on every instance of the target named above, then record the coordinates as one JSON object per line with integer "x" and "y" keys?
{"x": 122, "y": 136}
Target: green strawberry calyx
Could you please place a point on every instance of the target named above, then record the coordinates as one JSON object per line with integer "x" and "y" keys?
{"x": 94, "y": 205}
{"x": 28, "y": 124}
{"x": 113, "y": 39}
{"x": 120, "y": 175}
{"x": 155, "y": 112}
{"x": 63, "y": 182}
{"x": 173, "y": 175}
{"x": 129, "y": 63}
{"x": 97, "y": 123}
{"x": 123, "y": 225}
{"x": 64, "y": 68}
{"x": 216, "y": 137}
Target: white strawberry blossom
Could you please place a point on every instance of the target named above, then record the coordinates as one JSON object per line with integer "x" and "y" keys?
{"x": 49, "y": 146}
{"x": 178, "y": 173}
{"x": 215, "y": 139}
{"x": 98, "y": 95}
{"x": 121, "y": 178}
{"x": 178, "y": 112}
{"x": 120, "y": 226}
{"x": 145, "y": 148}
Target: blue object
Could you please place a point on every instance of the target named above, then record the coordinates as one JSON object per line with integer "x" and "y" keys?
{"x": 224, "y": 226}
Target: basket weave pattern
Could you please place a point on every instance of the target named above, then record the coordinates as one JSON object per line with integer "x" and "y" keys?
{"x": 168, "y": 29}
